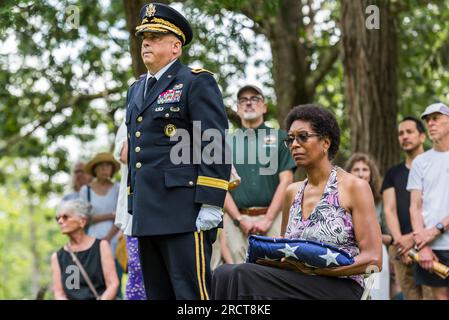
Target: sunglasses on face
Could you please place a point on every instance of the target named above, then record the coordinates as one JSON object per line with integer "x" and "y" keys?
{"x": 253, "y": 99}
{"x": 301, "y": 138}
{"x": 63, "y": 216}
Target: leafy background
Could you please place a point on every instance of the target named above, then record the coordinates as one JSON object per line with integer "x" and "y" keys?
{"x": 62, "y": 94}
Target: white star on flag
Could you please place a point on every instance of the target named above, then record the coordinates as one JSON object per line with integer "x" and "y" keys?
{"x": 289, "y": 251}
{"x": 330, "y": 257}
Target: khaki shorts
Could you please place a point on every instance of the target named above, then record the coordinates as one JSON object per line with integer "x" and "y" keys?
{"x": 405, "y": 274}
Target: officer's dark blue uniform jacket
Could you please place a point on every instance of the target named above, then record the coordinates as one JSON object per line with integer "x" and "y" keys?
{"x": 165, "y": 198}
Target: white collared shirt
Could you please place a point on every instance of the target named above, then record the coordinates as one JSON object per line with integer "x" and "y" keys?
{"x": 158, "y": 75}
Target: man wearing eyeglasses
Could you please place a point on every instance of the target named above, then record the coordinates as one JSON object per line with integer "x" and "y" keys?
{"x": 254, "y": 206}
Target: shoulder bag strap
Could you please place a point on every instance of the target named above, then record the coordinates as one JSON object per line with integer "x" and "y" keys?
{"x": 83, "y": 272}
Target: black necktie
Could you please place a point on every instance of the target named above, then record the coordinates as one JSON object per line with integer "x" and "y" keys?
{"x": 150, "y": 84}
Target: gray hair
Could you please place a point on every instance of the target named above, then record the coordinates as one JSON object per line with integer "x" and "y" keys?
{"x": 78, "y": 207}
{"x": 72, "y": 172}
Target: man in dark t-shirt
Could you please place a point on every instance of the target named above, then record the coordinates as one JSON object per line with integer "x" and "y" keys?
{"x": 396, "y": 178}
{"x": 396, "y": 200}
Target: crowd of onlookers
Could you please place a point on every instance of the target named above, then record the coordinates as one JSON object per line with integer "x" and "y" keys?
{"x": 337, "y": 225}
{"x": 94, "y": 217}
{"x": 412, "y": 212}
{"x": 411, "y": 202}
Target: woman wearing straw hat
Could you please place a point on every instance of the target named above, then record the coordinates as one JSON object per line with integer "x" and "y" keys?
{"x": 102, "y": 194}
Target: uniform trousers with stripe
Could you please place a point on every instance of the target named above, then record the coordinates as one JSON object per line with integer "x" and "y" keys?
{"x": 177, "y": 266}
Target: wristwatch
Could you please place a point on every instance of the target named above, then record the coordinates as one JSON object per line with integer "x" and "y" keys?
{"x": 440, "y": 227}
{"x": 237, "y": 221}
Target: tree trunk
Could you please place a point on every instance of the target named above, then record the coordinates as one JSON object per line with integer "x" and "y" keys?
{"x": 370, "y": 60}
{"x": 294, "y": 82}
{"x": 291, "y": 40}
{"x": 290, "y": 67}
{"x": 132, "y": 10}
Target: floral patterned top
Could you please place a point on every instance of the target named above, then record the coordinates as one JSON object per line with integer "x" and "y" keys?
{"x": 329, "y": 222}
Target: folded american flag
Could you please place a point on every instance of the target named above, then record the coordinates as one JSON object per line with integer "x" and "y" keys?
{"x": 311, "y": 253}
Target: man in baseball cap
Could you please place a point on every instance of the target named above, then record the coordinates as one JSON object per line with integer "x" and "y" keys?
{"x": 428, "y": 184}
{"x": 436, "y": 108}
{"x": 255, "y": 206}
{"x": 250, "y": 87}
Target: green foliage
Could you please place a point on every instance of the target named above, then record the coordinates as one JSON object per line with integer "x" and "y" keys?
{"x": 423, "y": 77}
{"x": 220, "y": 45}
{"x": 28, "y": 235}
{"x": 58, "y": 78}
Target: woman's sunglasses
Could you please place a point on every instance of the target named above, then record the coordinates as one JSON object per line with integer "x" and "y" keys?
{"x": 301, "y": 138}
{"x": 63, "y": 216}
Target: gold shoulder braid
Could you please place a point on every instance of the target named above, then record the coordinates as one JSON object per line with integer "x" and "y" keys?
{"x": 199, "y": 70}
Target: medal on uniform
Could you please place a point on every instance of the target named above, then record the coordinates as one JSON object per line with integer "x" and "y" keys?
{"x": 178, "y": 86}
{"x": 159, "y": 109}
{"x": 170, "y": 130}
{"x": 169, "y": 96}
{"x": 175, "y": 109}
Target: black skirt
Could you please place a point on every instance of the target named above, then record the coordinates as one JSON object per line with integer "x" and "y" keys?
{"x": 250, "y": 281}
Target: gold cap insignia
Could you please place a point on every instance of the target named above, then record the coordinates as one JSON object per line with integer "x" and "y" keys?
{"x": 151, "y": 10}
{"x": 170, "y": 130}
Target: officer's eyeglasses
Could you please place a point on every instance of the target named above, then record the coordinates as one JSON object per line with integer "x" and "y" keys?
{"x": 253, "y": 99}
{"x": 301, "y": 138}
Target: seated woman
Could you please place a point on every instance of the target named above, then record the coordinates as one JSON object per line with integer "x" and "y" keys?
{"x": 330, "y": 206}
{"x": 95, "y": 257}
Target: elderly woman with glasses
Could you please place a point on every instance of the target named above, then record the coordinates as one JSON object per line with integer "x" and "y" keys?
{"x": 330, "y": 206}
{"x": 95, "y": 277}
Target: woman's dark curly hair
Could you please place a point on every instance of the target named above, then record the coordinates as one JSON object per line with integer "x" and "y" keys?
{"x": 322, "y": 121}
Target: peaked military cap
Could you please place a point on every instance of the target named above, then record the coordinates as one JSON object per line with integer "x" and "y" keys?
{"x": 161, "y": 18}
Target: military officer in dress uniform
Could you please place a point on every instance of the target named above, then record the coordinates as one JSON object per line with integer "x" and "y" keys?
{"x": 176, "y": 208}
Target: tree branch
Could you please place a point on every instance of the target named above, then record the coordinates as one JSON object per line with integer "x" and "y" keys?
{"x": 310, "y": 27}
{"x": 251, "y": 10}
{"x": 326, "y": 63}
{"x": 15, "y": 139}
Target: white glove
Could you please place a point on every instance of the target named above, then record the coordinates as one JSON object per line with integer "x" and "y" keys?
{"x": 208, "y": 218}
